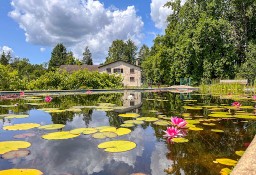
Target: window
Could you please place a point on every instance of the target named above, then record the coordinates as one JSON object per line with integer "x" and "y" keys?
{"x": 132, "y": 79}
{"x": 118, "y": 70}
{"x": 132, "y": 103}
{"x": 132, "y": 71}
{"x": 108, "y": 70}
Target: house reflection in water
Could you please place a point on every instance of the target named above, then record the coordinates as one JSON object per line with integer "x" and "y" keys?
{"x": 131, "y": 100}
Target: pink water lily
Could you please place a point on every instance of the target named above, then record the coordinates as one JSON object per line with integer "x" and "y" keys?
{"x": 48, "y": 99}
{"x": 171, "y": 132}
{"x": 179, "y": 122}
{"x": 254, "y": 97}
{"x": 236, "y": 104}
{"x": 88, "y": 92}
{"x": 22, "y": 93}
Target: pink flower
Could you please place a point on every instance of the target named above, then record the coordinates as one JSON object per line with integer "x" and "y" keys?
{"x": 88, "y": 92}
{"x": 254, "y": 97}
{"x": 22, "y": 93}
{"x": 48, "y": 99}
{"x": 171, "y": 132}
{"x": 179, "y": 122}
{"x": 236, "y": 104}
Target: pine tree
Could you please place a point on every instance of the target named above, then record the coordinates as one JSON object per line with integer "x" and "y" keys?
{"x": 58, "y": 57}
{"x": 4, "y": 60}
{"x": 87, "y": 57}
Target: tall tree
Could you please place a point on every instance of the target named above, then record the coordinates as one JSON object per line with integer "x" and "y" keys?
{"x": 87, "y": 56}
{"x": 143, "y": 53}
{"x": 4, "y": 59}
{"x": 120, "y": 50}
{"x": 70, "y": 58}
{"x": 58, "y": 57}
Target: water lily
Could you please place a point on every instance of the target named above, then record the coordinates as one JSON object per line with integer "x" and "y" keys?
{"x": 48, "y": 99}
{"x": 22, "y": 93}
{"x": 254, "y": 97}
{"x": 88, "y": 92}
{"x": 179, "y": 122}
{"x": 171, "y": 132}
{"x": 236, "y": 104}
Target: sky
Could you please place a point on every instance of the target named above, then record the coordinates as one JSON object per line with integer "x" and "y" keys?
{"x": 31, "y": 28}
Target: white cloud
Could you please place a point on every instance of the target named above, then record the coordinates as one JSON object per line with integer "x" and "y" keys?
{"x": 76, "y": 23}
{"x": 6, "y": 50}
{"x": 42, "y": 49}
{"x": 159, "y": 13}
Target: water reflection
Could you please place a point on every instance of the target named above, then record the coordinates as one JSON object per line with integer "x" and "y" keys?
{"x": 80, "y": 156}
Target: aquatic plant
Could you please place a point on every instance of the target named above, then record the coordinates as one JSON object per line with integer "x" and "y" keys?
{"x": 179, "y": 122}
{"x": 171, "y": 132}
{"x": 236, "y": 104}
{"x": 48, "y": 99}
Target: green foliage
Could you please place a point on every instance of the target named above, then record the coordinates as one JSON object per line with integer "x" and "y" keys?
{"x": 4, "y": 60}
{"x": 80, "y": 79}
{"x": 58, "y": 57}
{"x": 87, "y": 57}
{"x": 204, "y": 40}
{"x": 120, "y": 50}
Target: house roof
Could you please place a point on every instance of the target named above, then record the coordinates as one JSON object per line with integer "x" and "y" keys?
{"x": 73, "y": 68}
{"x": 117, "y": 61}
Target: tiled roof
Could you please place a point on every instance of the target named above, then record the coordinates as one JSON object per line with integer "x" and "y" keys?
{"x": 73, "y": 68}
{"x": 119, "y": 61}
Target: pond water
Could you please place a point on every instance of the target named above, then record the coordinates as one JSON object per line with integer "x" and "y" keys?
{"x": 153, "y": 155}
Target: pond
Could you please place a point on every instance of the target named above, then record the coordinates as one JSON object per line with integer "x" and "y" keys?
{"x": 215, "y": 130}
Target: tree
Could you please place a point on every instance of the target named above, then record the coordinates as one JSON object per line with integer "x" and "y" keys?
{"x": 143, "y": 53}
{"x": 120, "y": 50}
{"x": 70, "y": 58}
{"x": 58, "y": 57}
{"x": 4, "y": 60}
{"x": 87, "y": 56}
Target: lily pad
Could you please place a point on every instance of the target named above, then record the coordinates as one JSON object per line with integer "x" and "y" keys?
{"x": 137, "y": 122}
{"x": 103, "y": 135}
{"x": 220, "y": 115}
{"x": 21, "y": 172}
{"x": 16, "y": 154}
{"x": 129, "y": 115}
{"x": 226, "y": 161}
{"x": 239, "y": 153}
{"x": 59, "y": 135}
{"x": 117, "y": 146}
{"x": 16, "y": 116}
{"x": 209, "y": 124}
{"x": 195, "y": 129}
{"x": 225, "y": 171}
{"x": 25, "y": 135}
{"x": 23, "y": 126}
{"x": 74, "y": 110}
{"x": 52, "y": 126}
{"x": 246, "y": 107}
{"x": 90, "y": 131}
{"x": 192, "y": 107}
{"x": 147, "y": 119}
{"x": 127, "y": 125}
{"x": 162, "y": 123}
{"x": 180, "y": 140}
{"x": 109, "y": 129}
{"x": 122, "y": 131}
{"x": 192, "y": 121}
{"x": 186, "y": 114}
{"x": 217, "y": 130}
{"x": 7, "y": 146}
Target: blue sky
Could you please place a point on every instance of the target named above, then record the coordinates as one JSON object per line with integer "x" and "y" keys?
{"x": 30, "y": 29}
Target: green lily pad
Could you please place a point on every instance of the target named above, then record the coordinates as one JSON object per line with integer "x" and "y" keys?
{"x": 23, "y": 126}
{"x": 195, "y": 129}
{"x": 90, "y": 131}
{"x": 137, "y": 122}
{"x": 122, "y": 131}
{"x": 225, "y": 171}
{"x": 103, "y": 135}
{"x": 217, "y": 130}
{"x": 209, "y": 124}
{"x": 129, "y": 115}
{"x": 8, "y": 106}
{"x": 147, "y": 119}
{"x": 59, "y": 135}
{"x": 220, "y": 115}
{"x": 186, "y": 114}
{"x": 21, "y": 172}
{"x": 109, "y": 129}
{"x": 192, "y": 121}
{"x": 74, "y": 110}
{"x": 245, "y": 116}
{"x": 117, "y": 146}
{"x": 127, "y": 125}
{"x": 162, "y": 123}
{"x": 180, "y": 140}
{"x": 226, "y": 161}
{"x": 192, "y": 107}
{"x": 52, "y": 126}
{"x": 7, "y": 146}
{"x": 16, "y": 116}
{"x": 246, "y": 107}
{"x": 239, "y": 153}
